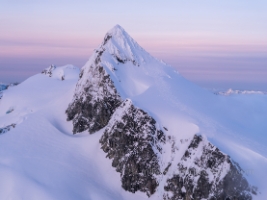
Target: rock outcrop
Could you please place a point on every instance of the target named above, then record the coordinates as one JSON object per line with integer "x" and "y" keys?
{"x": 49, "y": 71}
{"x": 133, "y": 141}
{"x": 95, "y": 99}
{"x": 7, "y": 128}
{"x": 62, "y": 73}
{"x": 204, "y": 172}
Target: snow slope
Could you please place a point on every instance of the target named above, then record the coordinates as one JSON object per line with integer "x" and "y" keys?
{"x": 41, "y": 158}
{"x": 232, "y": 124}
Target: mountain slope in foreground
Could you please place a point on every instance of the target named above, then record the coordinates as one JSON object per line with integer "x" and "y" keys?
{"x": 161, "y": 136}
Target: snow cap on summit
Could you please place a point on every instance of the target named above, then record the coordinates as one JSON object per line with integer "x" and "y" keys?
{"x": 121, "y": 45}
{"x": 116, "y": 28}
{"x": 118, "y": 33}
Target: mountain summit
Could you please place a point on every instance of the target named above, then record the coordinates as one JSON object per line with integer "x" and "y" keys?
{"x": 120, "y": 44}
{"x": 151, "y": 122}
{"x": 135, "y": 129}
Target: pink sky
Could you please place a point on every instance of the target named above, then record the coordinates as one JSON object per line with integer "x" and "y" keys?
{"x": 215, "y": 44}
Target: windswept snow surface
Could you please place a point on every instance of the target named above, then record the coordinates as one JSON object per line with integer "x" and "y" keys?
{"x": 41, "y": 159}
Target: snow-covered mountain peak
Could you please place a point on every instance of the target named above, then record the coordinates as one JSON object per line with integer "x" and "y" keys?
{"x": 147, "y": 110}
{"x": 117, "y": 30}
{"x": 164, "y": 137}
{"x": 123, "y": 47}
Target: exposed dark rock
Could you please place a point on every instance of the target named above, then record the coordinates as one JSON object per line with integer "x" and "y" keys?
{"x": 81, "y": 74}
{"x": 95, "y": 99}
{"x": 167, "y": 169}
{"x": 49, "y": 71}
{"x": 10, "y": 110}
{"x": 195, "y": 142}
{"x": 7, "y": 128}
{"x": 234, "y": 185}
{"x": 90, "y": 114}
{"x": 119, "y": 59}
{"x": 107, "y": 38}
{"x": 129, "y": 141}
{"x": 4, "y": 86}
{"x": 201, "y": 177}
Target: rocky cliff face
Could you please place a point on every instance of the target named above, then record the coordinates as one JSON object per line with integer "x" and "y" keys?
{"x": 95, "y": 100}
{"x": 136, "y": 142}
{"x": 204, "y": 172}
